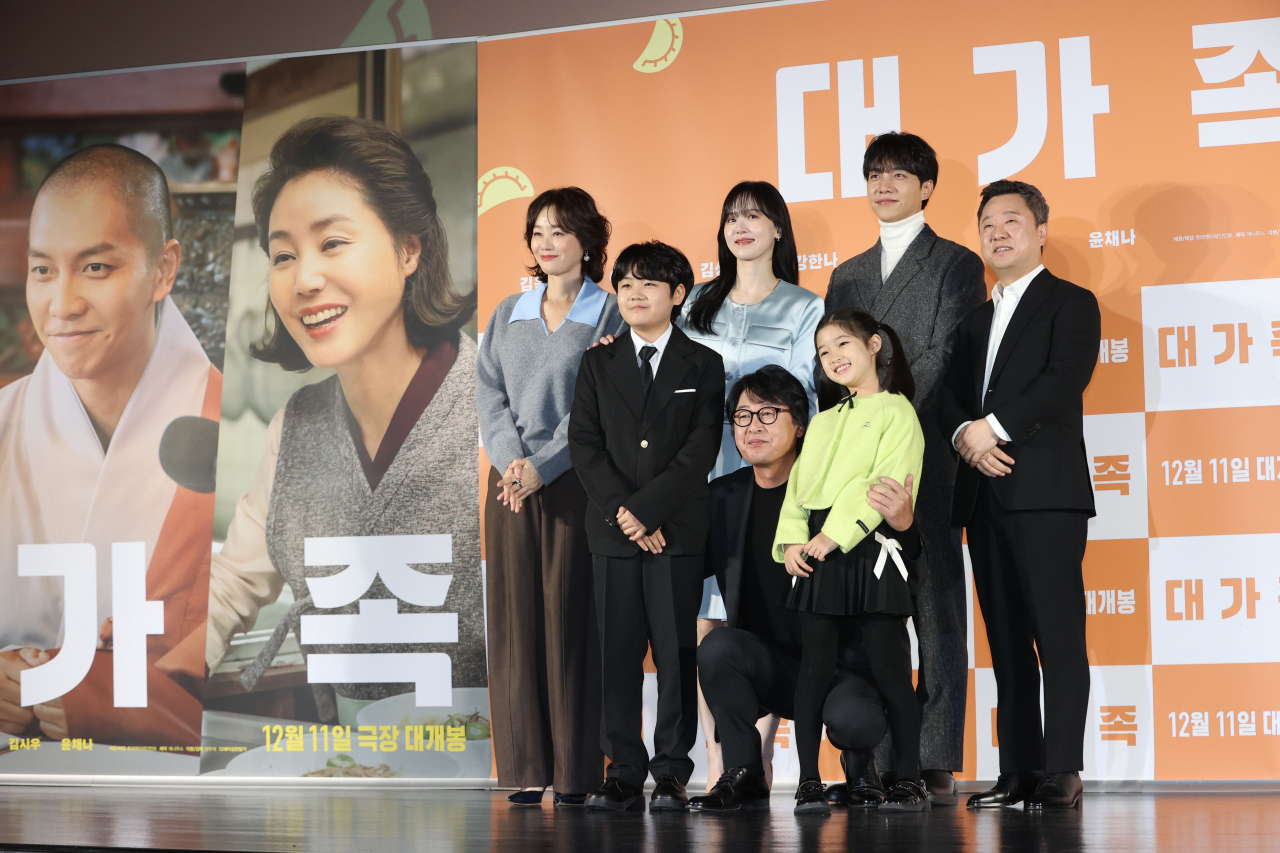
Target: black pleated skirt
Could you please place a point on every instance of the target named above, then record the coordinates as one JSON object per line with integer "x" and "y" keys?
{"x": 845, "y": 584}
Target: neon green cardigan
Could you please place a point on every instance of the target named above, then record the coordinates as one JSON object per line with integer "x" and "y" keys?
{"x": 846, "y": 450}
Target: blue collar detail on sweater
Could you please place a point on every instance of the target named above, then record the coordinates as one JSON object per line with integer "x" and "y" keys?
{"x": 587, "y": 306}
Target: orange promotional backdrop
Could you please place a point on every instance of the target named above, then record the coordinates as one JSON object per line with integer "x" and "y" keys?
{"x": 1154, "y": 132}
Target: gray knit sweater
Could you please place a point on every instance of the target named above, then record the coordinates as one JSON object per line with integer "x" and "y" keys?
{"x": 320, "y": 490}
{"x": 525, "y": 378}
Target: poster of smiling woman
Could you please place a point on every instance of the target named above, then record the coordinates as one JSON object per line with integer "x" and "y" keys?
{"x": 346, "y": 626}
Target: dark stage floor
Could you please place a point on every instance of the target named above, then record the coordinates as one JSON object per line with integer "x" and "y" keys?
{"x": 402, "y": 819}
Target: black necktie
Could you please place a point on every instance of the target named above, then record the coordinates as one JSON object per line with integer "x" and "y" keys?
{"x": 646, "y": 369}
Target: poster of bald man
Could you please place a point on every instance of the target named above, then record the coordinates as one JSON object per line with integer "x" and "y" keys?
{"x": 117, "y": 199}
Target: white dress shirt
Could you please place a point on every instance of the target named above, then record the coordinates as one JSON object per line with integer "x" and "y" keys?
{"x": 660, "y": 343}
{"x": 1005, "y": 300}
{"x": 895, "y": 237}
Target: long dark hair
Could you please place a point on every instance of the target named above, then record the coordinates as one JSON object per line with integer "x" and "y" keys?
{"x": 892, "y": 365}
{"x": 392, "y": 181}
{"x": 576, "y": 213}
{"x": 764, "y": 197}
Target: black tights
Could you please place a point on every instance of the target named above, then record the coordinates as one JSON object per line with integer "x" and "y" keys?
{"x": 889, "y": 650}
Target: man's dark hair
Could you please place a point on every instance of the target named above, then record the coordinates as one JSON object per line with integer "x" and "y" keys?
{"x": 576, "y": 213}
{"x": 772, "y": 384}
{"x": 655, "y": 261}
{"x": 139, "y": 182}
{"x": 391, "y": 180}
{"x": 905, "y": 151}
{"x": 1032, "y": 196}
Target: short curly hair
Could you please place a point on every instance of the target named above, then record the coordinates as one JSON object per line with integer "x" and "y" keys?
{"x": 392, "y": 181}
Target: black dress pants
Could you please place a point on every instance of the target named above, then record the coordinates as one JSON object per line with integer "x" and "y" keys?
{"x": 744, "y": 678}
{"x": 649, "y": 601}
{"x": 1026, "y": 567}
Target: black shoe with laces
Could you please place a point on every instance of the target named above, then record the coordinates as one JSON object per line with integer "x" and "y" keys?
{"x": 615, "y": 795}
{"x": 668, "y": 795}
{"x": 906, "y": 795}
{"x": 738, "y": 788}
{"x": 811, "y": 798}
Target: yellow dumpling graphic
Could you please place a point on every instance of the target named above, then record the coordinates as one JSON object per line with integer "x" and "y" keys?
{"x": 501, "y": 184}
{"x": 664, "y": 46}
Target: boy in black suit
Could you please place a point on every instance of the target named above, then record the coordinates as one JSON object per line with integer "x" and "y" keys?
{"x": 643, "y": 435}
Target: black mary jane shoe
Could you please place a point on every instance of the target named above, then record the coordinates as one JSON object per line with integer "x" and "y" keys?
{"x": 569, "y": 801}
{"x": 811, "y": 798}
{"x": 906, "y": 795}
{"x": 615, "y": 795}
{"x": 668, "y": 796}
{"x": 737, "y": 789}
{"x": 525, "y": 798}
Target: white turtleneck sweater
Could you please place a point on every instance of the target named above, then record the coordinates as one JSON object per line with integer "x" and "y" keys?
{"x": 895, "y": 237}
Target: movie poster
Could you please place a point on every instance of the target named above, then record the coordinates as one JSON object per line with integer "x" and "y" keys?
{"x": 117, "y": 201}
{"x": 346, "y": 619}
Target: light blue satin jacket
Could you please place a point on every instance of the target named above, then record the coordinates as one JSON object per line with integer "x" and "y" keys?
{"x": 779, "y": 330}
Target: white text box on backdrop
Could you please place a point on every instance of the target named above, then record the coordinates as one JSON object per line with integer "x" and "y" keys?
{"x": 1119, "y": 739}
{"x": 1119, "y": 734}
{"x": 1214, "y": 599}
{"x": 1117, "y": 449}
{"x": 1211, "y": 345}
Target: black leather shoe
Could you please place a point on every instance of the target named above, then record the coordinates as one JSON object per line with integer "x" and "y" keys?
{"x": 615, "y": 795}
{"x": 861, "y": 788}
{"x": 811, "y": 798}
{"x": 569, "y": 801}
{"x": 668, "y": 796}
{"x": 1010, "y": 789}
{"x": 941, "y": 785}
{"x": 525, "y": 798}
{"x": 1057, "y": 791}
{"x": 906, "y": 795}
{"x": 738, "y": 788}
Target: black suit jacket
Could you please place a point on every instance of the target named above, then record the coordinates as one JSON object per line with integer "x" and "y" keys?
{"x": 730, "y": 511}
{"x": 1044, "y": 363}
{"x": 653, "y": 458}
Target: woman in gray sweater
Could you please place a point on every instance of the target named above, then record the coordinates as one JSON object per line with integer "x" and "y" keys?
{"x": 544, "y": 663}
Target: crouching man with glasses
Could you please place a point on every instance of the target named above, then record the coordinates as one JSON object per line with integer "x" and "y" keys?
{"x": 749, "y": 668}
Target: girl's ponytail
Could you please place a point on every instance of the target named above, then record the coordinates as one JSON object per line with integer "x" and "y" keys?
{"x": 898, "y": 378}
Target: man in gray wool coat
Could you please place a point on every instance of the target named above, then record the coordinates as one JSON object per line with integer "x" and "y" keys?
{"x": 922, "y": 286}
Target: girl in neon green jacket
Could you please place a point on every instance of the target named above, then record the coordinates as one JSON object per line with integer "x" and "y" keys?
{"x": 855, "y": 567}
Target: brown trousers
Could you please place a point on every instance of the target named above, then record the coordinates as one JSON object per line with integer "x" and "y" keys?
{"x": 544, "y": 648}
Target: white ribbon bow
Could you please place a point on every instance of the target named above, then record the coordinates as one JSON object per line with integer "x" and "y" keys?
{"x": 889, "y": 547}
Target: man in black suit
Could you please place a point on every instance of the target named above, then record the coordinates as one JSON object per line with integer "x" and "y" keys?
{"x": 1012, "y": 404}
{"x": 750, "y": 667}
{"x": 644, "y": 432}
{"x": 922, "y": 285}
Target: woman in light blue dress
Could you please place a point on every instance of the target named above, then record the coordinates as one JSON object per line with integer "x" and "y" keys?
{"x": 753, "y": 314}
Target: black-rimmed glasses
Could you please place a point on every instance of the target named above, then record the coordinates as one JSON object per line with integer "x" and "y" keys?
{"x": 766, "y": 414}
